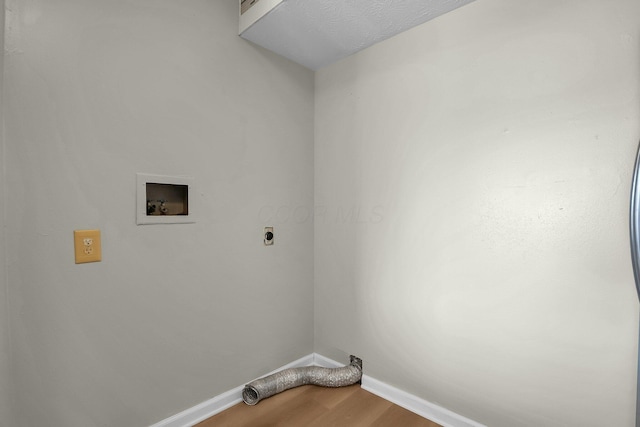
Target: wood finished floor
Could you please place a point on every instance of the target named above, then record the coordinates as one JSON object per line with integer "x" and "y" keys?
{"x": 313, "y": 406}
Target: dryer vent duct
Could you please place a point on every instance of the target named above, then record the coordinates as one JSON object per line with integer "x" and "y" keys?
{"x": 295, "y": 377}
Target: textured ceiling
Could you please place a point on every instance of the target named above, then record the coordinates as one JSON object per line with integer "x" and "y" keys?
{"x": 316, "y": 33}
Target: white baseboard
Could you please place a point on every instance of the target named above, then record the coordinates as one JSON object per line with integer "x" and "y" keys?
{"x": 325, "y": 362}
{"x": 425, "y": 409}
{"x": 401, "y": 398}
{"x": 204, "y": 410}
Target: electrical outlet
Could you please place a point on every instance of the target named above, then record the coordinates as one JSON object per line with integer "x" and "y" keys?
{"x": 268, "y": 236}
{"x": 87, "y": 246}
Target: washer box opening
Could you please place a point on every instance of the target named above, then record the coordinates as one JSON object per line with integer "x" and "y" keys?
{"x": 164, "y": 199}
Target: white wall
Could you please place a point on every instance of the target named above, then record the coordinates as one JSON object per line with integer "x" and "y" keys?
{"x": 174, "y": 315}
{"x": 5, "y": 353}
{"x": 472, "y": 181}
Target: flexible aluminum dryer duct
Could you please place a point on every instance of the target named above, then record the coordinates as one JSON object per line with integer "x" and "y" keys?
{"x": 295, "y": 377}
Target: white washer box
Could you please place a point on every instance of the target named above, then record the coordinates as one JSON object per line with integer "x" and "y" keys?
{"x": 164, "y": 199}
